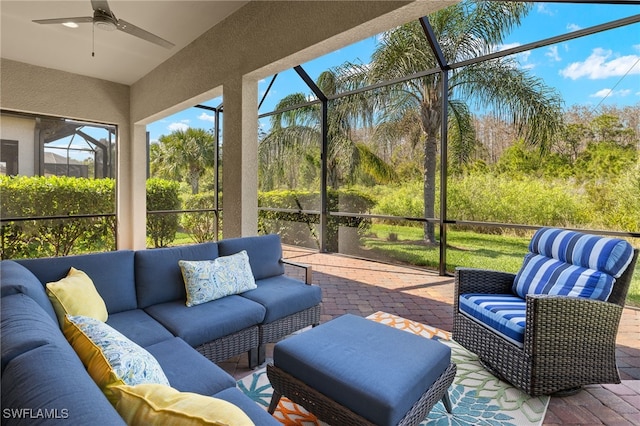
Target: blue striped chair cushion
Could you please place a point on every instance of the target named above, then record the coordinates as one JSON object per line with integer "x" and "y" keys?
{"x": 609, "y": 255}
{"x": 572, "y": 264}
{"x": 543, "y": 275}
{"x": 504, "y": 314}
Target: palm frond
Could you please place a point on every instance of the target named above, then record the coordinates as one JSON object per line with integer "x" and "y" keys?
{"x": 513, "y": 95}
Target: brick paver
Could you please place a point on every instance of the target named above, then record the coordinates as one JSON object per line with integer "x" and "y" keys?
{"x": 362, "y": 287}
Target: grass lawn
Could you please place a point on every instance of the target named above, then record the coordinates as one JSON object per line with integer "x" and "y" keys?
{"x": 464, "y": 248}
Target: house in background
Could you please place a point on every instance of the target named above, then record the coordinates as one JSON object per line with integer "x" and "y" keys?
{"x": 36, "y": 146}
{"x": 221, "y": 48}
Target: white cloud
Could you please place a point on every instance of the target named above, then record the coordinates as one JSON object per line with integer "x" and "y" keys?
{"x": 573, "y": 27}
{"x": 552, "y": 53}
{"x": 608, "y": 93}
{"x": 522, "y": 56}
{"x": 182, "y": 125}
{"x": 207, "y": 117}
{"x": 602, "y": 64}
{"x": 544, "y": 10}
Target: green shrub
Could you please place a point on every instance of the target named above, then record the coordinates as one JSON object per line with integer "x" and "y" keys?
{"x": 299, "y": 227}
{"x": 401, "y": 201}
{"x": 615, "y": 203}
{"x": 200, "y": 226}
{"x": 162, "y": 195}
{"x": 56, "y": 196}
{"x": 527, "y": 200}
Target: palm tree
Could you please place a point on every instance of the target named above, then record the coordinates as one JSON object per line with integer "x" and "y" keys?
{"x": 187, "y": 153}
{"x": 296, "y": 134}
{"x": 464, "y": 31}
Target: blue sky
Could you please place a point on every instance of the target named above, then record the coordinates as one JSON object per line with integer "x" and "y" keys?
{"x": 601, "y": 69}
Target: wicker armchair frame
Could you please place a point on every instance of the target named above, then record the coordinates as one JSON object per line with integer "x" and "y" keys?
{"x": 568, "y": 341}
{"x": 333, "y": 413}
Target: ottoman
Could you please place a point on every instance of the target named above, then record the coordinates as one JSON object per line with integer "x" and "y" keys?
{"x": 356, "y": 371}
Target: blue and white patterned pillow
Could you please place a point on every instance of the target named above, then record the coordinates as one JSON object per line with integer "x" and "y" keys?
{"x": 207, "y": 280}
{"x": 109, "y": 356}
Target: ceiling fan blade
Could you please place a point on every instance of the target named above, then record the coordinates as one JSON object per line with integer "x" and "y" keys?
{"x": 101, "y": 5}
{"x": 78, "y": 20}
{"x": 143, "y": 34}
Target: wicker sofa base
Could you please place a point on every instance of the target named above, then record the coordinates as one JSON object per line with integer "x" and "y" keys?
{"x": 221, "y": 349}
{"x": 272, "y": 332}
{"x": 329, "y": 411}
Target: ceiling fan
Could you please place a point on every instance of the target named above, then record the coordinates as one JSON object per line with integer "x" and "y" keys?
{"x": 104, "y": 19}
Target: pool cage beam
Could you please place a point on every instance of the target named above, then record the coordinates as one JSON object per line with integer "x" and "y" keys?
{"x": 324, "y": 149}
{"x": 444, "y": 137}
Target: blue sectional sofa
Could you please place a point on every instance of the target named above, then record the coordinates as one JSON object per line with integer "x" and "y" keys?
{"x": 43, "y": 380}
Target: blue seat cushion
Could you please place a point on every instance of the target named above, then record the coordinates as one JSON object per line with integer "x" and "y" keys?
{"x": 209, "y": 321}
{"x": 504, "y": 314}
{"x": 256, "y": 413}
{"x": 375, "y": 370}
{"x": 139, "y": 327}
{"x": 569, "y": 263}
{"x": 283, "y": 296}
{"x": 111, "y": 273}
{"x": 265, "y": 252}
{"x": 188, "y": 370}
{"x": 158, "y": 275}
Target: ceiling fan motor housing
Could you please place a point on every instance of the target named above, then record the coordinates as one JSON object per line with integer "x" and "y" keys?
{"x": 104, "y": 21}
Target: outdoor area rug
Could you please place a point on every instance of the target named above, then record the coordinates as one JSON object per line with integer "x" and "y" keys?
{"x": 478, "y": 397}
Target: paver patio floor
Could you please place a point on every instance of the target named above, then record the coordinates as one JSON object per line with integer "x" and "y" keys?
{"x": 362, "y": 287}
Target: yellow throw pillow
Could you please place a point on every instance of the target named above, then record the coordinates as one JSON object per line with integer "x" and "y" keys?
{"x": 109, "y": 356}
{"x": 76, "y": 295}
{"x": 162, "y": 405}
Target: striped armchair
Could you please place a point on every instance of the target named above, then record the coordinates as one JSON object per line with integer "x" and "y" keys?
{"x": 551, "y": 327}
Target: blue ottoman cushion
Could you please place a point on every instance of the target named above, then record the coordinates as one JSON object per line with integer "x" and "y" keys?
{"x": 375, "y": 370}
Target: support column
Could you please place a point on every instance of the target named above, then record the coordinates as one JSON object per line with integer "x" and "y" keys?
{"x": 131, "y": 189}
{"x": 240, "y": 158}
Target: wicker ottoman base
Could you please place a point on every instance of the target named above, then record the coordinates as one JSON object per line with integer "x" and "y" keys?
{"x": 353, "y": 371}
{"x": 329, "y": 411}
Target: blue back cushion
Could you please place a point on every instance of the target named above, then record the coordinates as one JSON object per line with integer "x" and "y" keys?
{"x": 264, "y": 252}
{"x": 158, "y": 275}
{"x": 25, "y": 326}
{"x": 17, "y": 279}
{"x": 111, "y": 273}
{"x": 570, "y": 263}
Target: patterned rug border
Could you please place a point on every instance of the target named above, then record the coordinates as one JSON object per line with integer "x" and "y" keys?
{"x": 478, "y": 397}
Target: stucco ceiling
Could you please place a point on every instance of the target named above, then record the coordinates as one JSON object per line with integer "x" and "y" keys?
{"x": 119, "y": 57}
